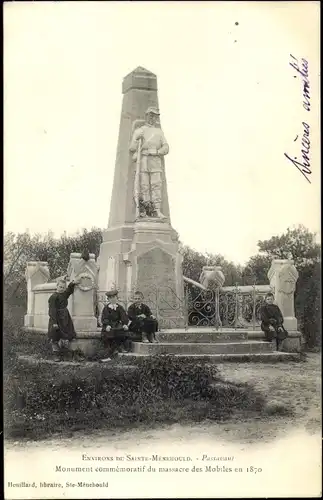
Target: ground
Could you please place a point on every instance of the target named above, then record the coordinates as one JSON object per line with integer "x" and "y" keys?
{"x": 297, "y": 385}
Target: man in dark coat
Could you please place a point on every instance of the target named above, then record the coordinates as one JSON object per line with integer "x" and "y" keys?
{"x": 272, "y": 321}
{"x": 114, "y": 320}
{"x": 60, "y": 325}
{"x": 143, "y": 323}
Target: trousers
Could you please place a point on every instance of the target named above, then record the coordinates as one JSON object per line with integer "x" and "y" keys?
{"x": 276, "y": 332}
{"x": 148, "y": 326}
{"x": 151, "y": 186}
{"x": 117, "y": 338}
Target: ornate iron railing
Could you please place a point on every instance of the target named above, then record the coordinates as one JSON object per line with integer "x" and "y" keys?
{"x": 240, "y": 305}
{"x": 228, "y": 307}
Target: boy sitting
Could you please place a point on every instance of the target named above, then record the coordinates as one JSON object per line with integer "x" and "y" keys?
{"x": 272, "y": 322}
{"x": 114, "y": 322}
{"x": 143, "y": 323}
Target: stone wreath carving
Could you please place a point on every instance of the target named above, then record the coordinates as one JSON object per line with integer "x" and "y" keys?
{"x": 87, "y": 278}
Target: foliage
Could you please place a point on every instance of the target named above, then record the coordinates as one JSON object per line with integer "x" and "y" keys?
{"x": 308, "y": 303}
{"x": 44, "y": 398}
{"x": 300, "y": 245}
{"x": 256, "y": 270}
{"x": 193, "y": 262}
{"x": 297, "y": 243}
{"x": 21, "y": 248}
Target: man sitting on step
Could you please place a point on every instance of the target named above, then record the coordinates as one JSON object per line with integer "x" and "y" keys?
{"x": 114, "y": 320}
{"x": 142, "y": 322}
{"x": 272, "y": 322}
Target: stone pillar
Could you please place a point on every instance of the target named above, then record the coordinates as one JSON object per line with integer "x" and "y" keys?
{"x": 83, "y": 299}
{"x": 37, "y": 273}
{"x": 283, "y": 276}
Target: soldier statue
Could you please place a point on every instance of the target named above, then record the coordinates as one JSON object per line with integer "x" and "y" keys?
{"x": 148, "y": 146}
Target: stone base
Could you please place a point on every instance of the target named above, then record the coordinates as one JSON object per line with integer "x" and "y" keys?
{"x": 290, "y": 324}
{"x": 41, "y": 321}
{"x": 28, "y": 320}
{"x": 88, "y": 347}
{"x": 146, "y": 258}
{"x": 84, "y": 323}
{"x": 197, "y": 343}
{"x": 292, "y": 344}
{"x": 202, "y": 348}
{"x": 199, "y": 335}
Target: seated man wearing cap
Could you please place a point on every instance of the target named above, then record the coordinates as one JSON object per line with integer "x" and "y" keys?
{"x": 114, "y": 322}
{"x": 142, "y": 321}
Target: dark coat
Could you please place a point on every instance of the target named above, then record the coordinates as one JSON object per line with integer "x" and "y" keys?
{"x": 136, "y": 309}
{"x": 271, "y": 314}
{"x": 138, "y": 325}
{"x": 114, "y": 318}
{"x": 59, "y": 314}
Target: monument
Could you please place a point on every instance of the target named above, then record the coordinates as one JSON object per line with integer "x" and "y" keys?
{"x": 140, "y": 251}
{"x": 140, "y": 246}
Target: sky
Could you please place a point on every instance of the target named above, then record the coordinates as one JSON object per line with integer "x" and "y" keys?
{"x": 230, "y": 108}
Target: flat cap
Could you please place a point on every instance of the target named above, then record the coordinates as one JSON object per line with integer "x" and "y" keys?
{"x": 112, "y": 293}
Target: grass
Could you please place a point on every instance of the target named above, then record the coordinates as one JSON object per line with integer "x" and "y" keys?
{"x": 275, "y": 396}
{"x": 41, "y": 398}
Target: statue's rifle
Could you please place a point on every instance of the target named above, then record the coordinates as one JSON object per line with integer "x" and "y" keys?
{"x": 137, "y": 179}
{"x": 137, "y": 124}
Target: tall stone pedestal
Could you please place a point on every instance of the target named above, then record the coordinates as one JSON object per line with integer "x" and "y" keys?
{"x": 82, "y": 300}
{"x": 283, "y": 276}
{"x": 149, "y": 262}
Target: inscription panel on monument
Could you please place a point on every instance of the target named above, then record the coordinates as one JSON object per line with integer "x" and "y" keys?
{"x": 156, "y": 279}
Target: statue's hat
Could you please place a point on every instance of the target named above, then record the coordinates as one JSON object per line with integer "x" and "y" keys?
{"x": 152, "y": 110}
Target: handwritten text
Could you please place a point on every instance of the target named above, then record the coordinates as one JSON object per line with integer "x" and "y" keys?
{"x": 303, "y": 162}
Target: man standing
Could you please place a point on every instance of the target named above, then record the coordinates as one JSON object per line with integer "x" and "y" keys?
{"x": 149, "y": 142}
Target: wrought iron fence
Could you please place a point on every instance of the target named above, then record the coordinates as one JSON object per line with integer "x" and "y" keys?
{"x": 229, "y": 307}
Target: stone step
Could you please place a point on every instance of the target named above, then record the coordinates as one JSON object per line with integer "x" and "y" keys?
{"x": 262, "y": 357}
{"x": 202, "y": 348}
{"x": 201, "y": 336}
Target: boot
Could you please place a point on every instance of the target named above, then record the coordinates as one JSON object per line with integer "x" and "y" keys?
{"x": 150, "y": 338}
{"x": 158, "y": 212}
{"x": 56, "y": 352}
{"x": 274, "y": 344}
{"x": 144, "y": 338}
